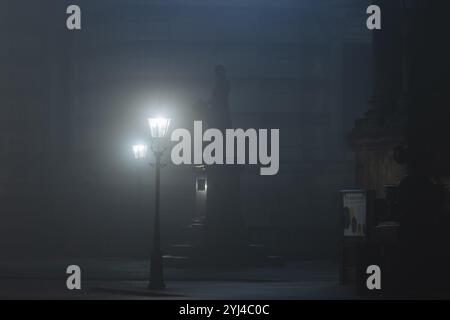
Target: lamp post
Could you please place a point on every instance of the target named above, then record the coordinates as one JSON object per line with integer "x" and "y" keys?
{"x": 158, "y": 129}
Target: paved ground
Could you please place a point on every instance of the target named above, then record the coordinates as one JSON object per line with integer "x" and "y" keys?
{"x": 125, "y": 279}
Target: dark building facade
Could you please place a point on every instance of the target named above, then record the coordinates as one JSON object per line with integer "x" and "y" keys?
{"x": 400, "y": 144}
{"x": 73, "y": 103}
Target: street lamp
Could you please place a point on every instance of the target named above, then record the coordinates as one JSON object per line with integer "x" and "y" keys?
{"x": 158, "y": 129}
{"x": 140, "y": 151}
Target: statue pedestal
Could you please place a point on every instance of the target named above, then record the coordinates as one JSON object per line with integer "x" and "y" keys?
{"x": 373, "y": 139}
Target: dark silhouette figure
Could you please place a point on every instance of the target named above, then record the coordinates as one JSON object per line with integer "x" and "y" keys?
{"x": 422, "y": 259}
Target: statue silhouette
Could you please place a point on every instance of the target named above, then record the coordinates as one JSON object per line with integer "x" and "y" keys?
{"x": 224, "y": 222}
{"x": 219, "y": 112}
